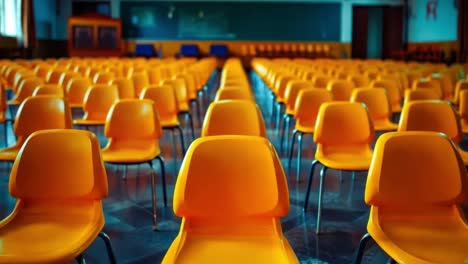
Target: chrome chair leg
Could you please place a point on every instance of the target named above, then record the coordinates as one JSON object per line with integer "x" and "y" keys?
{"x": 181, "y": 135}
{"x": 362, "y": 246}
{"x": 320, "y": 198}
{"x": 309, "y": 184}
{"x": 124, "y": 176}
{"x": 281, "y": 130}
{"x": 291, "y": 150}
{"x": 192, "y": 128}
{"x": 110, "y": 250}
{"x": 163, "y": 178}
{"x": 299, "y": 155}
{"x": 153, "y": 194}
{"x": 80, "y": 259}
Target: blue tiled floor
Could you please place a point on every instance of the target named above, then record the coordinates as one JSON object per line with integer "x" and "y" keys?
{"x": 129, "y": 223}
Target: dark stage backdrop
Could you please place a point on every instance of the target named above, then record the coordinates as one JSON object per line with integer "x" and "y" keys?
{"x": 163, "y": 20}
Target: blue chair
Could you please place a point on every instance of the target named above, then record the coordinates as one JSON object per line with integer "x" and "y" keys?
{"x": 145, "y": 50}
{"x": 189, "y": 50}
{"x": 220, "y": 50}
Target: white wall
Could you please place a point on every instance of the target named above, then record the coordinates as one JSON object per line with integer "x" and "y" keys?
{"x": 421, "y": 29}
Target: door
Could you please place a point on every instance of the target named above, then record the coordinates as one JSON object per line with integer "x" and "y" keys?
{"x": 360, "y": 32}
{"x": 393, "y": 17}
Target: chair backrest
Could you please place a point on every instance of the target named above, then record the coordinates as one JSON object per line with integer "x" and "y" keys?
{"x": 292, "y": 91}
{"x": 282, "y": 83}
{"x": 420, "y": 94}
{"x": 463, "y": 105}
{"x": 165, "y": 101}
{"x": 125, "y": 87}
{"x": 393, "y": 92}
{"x": 244, "y": 118}
{"x": 336, "y": 117}
{"x": 41, "y": 113}
{"x": 435, "y": 115}
{"x": 429, "y": 84}
{"x": 53, "y": 77}
{"x": 98, "y": 100}
{"x": 140, "y": 81}
{"x": 26, "y": 88}
{"x": 48, "y": 89}
{"x": 253, "y": 183}
{"x": 308, "y": 104}
{"x": 461, "y": 85}
{"x": 340, "y": 89}
{"x": 376, "y": 101}
{"x": 76, "y": 90}
{"x": 234, "y": 93}
{"x": 359, "y": 81}
{"x": 59, "y": 164}
{"x": 180, "y": 89}
{"x": 415, "y": 169}
{"x": 133, "y": 120}
{"x": 103, "y": 77}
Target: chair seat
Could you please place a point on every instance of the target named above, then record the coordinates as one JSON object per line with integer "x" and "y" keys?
{"x": 184, "y": 107}
{"x": 86, "y": 122}
{"x": 69, "y": 232}
{"x": 172, "y": 122}
{"x": 384, "y": 125}
{"x": 352, "y": 159}
{"x": 129, "y": 155}
{"x": 305, "y": 127}
{"x": 215, "y": 249}
{"x": 464, "y": 127}
{"x": 430, "y": 238}
{"x": 10, "y": 153}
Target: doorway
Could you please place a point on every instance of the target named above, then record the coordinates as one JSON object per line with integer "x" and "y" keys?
{"x": 377, "y": 31}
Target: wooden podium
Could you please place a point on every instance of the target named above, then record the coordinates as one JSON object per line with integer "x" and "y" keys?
{"x": 94, "y": 35}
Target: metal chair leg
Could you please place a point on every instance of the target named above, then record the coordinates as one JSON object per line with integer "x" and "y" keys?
{"x": 199, "y": 114}
{"x": 163, "y": 178}
{"x": 299, "y": 155}
{"x": 124, "y": 176}
{"x": 5, "y": 133}
{"x": 291, "y": 150}
{"x": 288, "y": 126}
{"x": 80, "y": 259}
{"x": 174, "y": 144}
{"x": 309, "y": 184}
{"x": 110, "y": 250}
{"x": 191, "y": 125}
{"x": 320, "y": 198}
{"x": 281, "y": 129}
{"x": 362, "y": 246}
{"x": 181, "y": 135}
{"x": 153, "y": 194}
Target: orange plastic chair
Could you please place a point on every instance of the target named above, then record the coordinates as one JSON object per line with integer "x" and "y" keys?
{"x": 225, "y": 220}
{"x": 140, "y": 82}
{"x": 48, "y": 89}
{"x": 463, "y": 110}
{"x": 166, "y": 103}
{"x": 25, "y": 89}
{"x": 321, "y": 81}
{"x": 76, "y": 91}
{"x": 340, "y": 89}
{"x": 128, "y": 145}
{"x": 306, "y": 110}
{"x": 103, "y": 77}
{"x": 292, "y": 90}
{"x": 96, "y": 104}
{"x": 419, "y": 94}
{"x": 234, "y": 93}
{"x": 34, "y": 114}
{"x": 244, "y": 117}
{"x": 460, "y": 86}
{"x": 348, "y": 151}
{"x": 438, "y": 116}
{"x": 58, "y": 212}
{"x": 359, "y": 81}
{"x": 125, "y": 87}
{"x": 393, "y": 93}
{"x": 412, "y": 218}
{"x": 183, "y": 99}
{"x": 378, "y": 105}
{"x": 53, "y": 77}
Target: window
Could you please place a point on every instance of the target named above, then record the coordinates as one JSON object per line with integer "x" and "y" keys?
{"x": 10, "y": 18}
